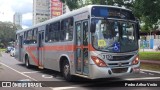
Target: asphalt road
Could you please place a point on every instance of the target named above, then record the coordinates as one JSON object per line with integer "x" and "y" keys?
{"x": 13, "y": 70}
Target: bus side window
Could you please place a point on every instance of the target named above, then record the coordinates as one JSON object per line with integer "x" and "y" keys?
{"x": 78, "y": 33}
{"x": 62, "y": 32}
{"x": 53, "y": 32}
{"x": 47, "y": 33}
{"x": 67, "y": 29}
{"x": 24, "y": 38}
{"x": 85, "y": 33}
{"x": 34, "y": 35}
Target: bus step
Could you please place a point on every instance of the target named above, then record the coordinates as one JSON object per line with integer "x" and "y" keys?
{"x": 40, "y": 67}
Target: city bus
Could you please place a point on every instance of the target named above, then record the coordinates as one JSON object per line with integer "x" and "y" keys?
{"x": 96, "y": 41}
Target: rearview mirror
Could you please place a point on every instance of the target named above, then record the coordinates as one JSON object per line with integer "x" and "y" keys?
{"x": 137, "y": 30}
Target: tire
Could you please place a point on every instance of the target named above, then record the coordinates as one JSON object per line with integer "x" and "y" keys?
{"x": 27, "y": 62}
{"x": 66, "y": 71}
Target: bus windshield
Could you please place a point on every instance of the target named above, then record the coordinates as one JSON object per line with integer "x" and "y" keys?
{"x": 114, "y": 36}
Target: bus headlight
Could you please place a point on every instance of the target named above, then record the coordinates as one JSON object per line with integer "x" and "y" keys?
{"x": 98, "y": 61}
{"x": 135, "y": 61}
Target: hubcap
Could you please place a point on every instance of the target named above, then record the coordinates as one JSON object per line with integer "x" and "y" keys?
{"x": 27, "y": 63}
{"x": 66, "y": 70}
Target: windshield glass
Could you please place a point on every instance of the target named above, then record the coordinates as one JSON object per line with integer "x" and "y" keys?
{"x": 114, "y": 36}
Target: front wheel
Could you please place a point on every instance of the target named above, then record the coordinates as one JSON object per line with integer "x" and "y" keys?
{"x": 66, "y": 71}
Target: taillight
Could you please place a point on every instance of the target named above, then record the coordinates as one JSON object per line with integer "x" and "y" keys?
{"x": 98, "y": 61}
{"x": 135, "y": 61}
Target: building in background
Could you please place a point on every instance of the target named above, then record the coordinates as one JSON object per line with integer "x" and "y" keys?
{"x": 41, "y": 11}
{"x": 56, "y": 8}
{"x": 47, "y": 9}
{"x": 17, "y": 19}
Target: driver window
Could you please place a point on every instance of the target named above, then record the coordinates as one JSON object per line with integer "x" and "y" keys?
{"x": 127, "y": 30}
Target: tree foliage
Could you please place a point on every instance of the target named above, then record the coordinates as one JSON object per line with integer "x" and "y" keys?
{"x": 7, "y": 32}
{"x": 72, "y": 4}
{"x": 126, "y": 3}
{"x": 149, "y": 12}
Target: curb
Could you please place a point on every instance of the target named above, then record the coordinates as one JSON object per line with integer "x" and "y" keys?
{"x": 150, "y": 62}
{"x": 150, "y": 71}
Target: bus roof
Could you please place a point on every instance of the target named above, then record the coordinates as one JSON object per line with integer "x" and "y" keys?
{"x": 69, "y": 14}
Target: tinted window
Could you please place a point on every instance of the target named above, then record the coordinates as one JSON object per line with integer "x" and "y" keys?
{"x": 67, "y": 29}
{"x": 52, "y": 32}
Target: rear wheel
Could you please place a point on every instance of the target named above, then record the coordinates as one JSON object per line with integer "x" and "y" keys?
{"x": 66, "y": 71}
{"x": 27, "y": 62}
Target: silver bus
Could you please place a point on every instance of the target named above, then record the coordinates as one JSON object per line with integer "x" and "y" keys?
{"x": 96, "y": 41}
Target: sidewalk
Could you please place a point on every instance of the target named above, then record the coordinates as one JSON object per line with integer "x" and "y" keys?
{"x": 150, "y": 62}
{"x": 148, "y": 50}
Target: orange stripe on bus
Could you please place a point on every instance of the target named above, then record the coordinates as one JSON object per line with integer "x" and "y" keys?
{"x": 61, "y": 48}
{"x": 30, "y": 49}
{"x": 91, "y": 47}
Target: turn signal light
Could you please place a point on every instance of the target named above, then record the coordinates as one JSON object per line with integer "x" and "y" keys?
{"x": 135, "y": 61}
{"x": 98, "y": 61}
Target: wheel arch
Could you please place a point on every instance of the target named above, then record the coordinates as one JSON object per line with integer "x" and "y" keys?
{"x": 26, "y": 56}
{"x": 61, "y": 61}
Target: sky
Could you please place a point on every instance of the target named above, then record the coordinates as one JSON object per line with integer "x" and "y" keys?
{"x": 9, "y": 7}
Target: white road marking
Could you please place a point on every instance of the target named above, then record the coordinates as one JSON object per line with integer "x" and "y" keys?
{"x": 47, "y": 76}
{"x": 151, "y": 74}
{"x": 21, "y": 73}
{"x": 18, "y": 72}
{"x": 63, "y": 88}
{"x": 143, "y": 72}
{"x": 24, "y": 80}
{"x": 30, "y": 72}
{"x": 145, "y": 78}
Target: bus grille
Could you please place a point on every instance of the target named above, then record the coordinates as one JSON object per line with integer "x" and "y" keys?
{"x": 117, "y": 64}
{"x": 120, "y": 58}
{"x": 119, "y": 70}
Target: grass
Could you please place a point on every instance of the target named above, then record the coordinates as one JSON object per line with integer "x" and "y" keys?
{"x": 150, "y": 67}
{"x": 2, "y": 50}
{"x": 149, "y": 56}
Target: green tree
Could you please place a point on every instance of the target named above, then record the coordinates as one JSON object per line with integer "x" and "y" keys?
{"x": 75, "y": 4}
{"x": 72, "y": 4}
{"x": 7, "y": 33}
{"x": 125, "y": 3}
{"x": 19, "y": 27}
{"x": 149, "y": 12}
{"x": 102, "y": 2}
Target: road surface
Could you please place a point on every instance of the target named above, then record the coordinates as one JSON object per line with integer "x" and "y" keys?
{"x": 13, "y": 70}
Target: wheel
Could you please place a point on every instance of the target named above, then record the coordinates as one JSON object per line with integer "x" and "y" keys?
{"x": 66, "y": 71}
{"x": 27, "y": 62}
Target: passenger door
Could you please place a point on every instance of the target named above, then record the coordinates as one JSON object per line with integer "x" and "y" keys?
{"x": 20, "y": 53}
{"x": 40, "y": 49}
{"x": 82, "y": 62}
